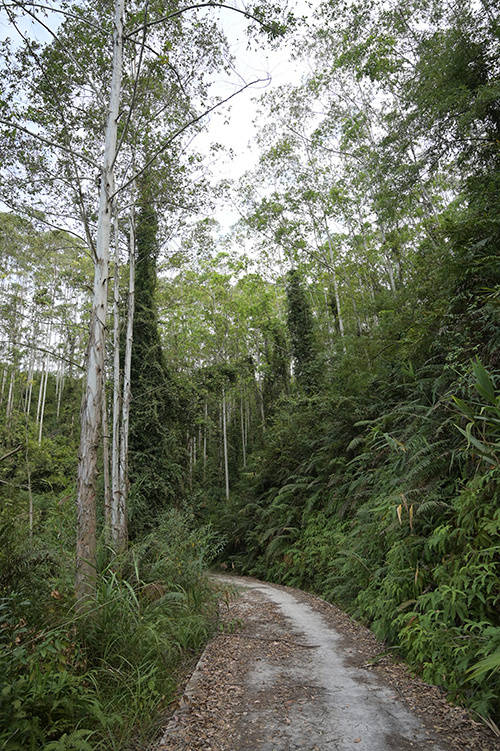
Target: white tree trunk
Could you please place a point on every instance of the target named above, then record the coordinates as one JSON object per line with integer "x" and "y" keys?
{"x": 42, "y": 408}
{"x": 115, "y": 449}
{"x": 40, "y": 392}
{"x": 61, "y": 389}
{"x": 92, "y": 396}
{"x": 105, "y": 461}
{"x": 10, "y": 398}
{"x": 261, "y": 405}
{"x": 30, "y": 494}
{"x": 4, "y": 379}
{"x": 31, "y": 368}
{"x": 29, "y": 396}
{"x": 390, "y": 272}
{"x": 335, "y": 286}
{"x": 190, "y": 455}
{"x": 247, "y": 421}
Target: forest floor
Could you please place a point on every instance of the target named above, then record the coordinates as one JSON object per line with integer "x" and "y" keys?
{"x": 290, "y": 672}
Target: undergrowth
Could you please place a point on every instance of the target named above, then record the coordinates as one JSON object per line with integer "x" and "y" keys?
{"x": 395, "y": 516}
{"x": 86, "y": 681}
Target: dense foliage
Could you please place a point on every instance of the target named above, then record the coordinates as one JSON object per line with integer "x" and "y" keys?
{"x": 325, "y": 401}
{"x": 375, "y": 481}
{"x": 98, "y": 679}
{"x": 156, "y": 441}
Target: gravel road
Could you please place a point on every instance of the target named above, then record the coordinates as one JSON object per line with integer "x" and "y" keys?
{"x": 289, "y": 672}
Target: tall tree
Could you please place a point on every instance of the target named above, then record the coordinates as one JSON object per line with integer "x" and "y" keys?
{"x": 302, "y": 333}
{"x": 155, "y": 449}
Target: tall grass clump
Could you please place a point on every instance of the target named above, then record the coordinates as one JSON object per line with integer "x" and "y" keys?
{"x": 97, "y": 679}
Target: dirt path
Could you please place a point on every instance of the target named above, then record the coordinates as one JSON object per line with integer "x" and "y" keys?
{"x": 290, "y": 672}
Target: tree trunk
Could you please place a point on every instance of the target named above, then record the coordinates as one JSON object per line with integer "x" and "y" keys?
{"x": 224, "y": 433}
{"x": 10, "y": 398}
{"x": 105, "y": 459}
{"x": 31, "y": 369}
{"x": 115, "y": 449}
{"x": 390, "y": 272}
{"x": 92, "y": 396}
{"x": 127, "y": 392}
{"x": 243, "y": 437}
{"x": 335, "y": 286}
{"x": 205, "y": 427}
{"x": 4, "y": 378}
{"x": 40, "y": 392}
{"x": 61, "y": 389}
{"x": 42, "y": 408}
{"x": 30, "y": 494}
{"x": 261, "y": 406}
{"x": 247, "y": 421}
{"x": 190, "y": 454}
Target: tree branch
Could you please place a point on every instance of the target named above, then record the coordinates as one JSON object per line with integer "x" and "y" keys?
{"x": 47, "y": 141}
{"x": 9, "y": 453}
{"x": 134, "y": 92}
{"x": 61, "y": 45}
{"x": 181, "y": 130}
{"x": 50, "y": 352}
{"x": 195, "y": 6}
{"x": 59, "y": 10}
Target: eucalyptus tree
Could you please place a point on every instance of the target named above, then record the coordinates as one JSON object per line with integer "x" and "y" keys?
{"x": 106, "y": 65}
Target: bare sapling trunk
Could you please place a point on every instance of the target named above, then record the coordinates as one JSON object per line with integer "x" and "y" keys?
{"x": 115, "y": 449}
{"x": 205, "y": 428}
{"x": 224, "y": 434}
{"x": 127, "y": 392}
{"x": 92, "y": 396}
{"x": 42, "y": 408}
{"x": 105, "y": 461}
{"x": 243, "y": 437}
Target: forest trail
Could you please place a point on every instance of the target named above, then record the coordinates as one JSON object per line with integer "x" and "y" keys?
{"x": 291, "y": 672}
